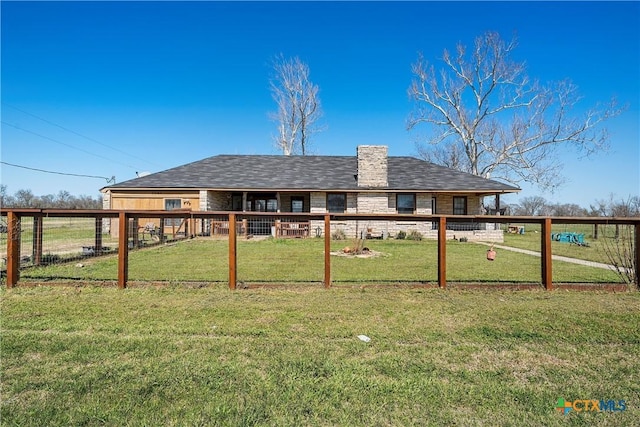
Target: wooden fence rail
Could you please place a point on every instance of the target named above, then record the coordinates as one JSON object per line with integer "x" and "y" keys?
{"x": 14, "y": 216}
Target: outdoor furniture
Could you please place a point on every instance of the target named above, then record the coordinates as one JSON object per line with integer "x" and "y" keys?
{"x": 370, "y": 233}
{"x": 516, "y": 229}
{"x": 292, "y": 229}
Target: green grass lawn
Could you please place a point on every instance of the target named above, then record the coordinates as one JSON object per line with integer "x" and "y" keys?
{"x": 595, "y": 251}
{"x": 177, "y": 356}
{"x": 302, "y": 260}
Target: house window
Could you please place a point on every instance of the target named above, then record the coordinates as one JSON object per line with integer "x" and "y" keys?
{"x": 272, "y": 205}
{"x": 460, "y": 205}
{"x": 336, "y": 202}
{"x": 262, "y": 202}
{"x": 406, "y": 203}
{"x": 260, "y": 205}
{"x": 169, "y": 205}
{"x": 297, "y": 204}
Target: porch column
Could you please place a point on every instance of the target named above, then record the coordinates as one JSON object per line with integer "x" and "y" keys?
{"x": 497, "y": 203}
{"x": 244, "y": 201}
{"x": 278, "y": 201}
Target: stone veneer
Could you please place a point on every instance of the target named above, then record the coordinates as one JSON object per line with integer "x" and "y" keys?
{"x": 372, "y": 166}
{"x": 385, "y": 203}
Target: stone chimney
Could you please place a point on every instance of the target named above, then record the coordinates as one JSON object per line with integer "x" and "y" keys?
{"x": 372, "y": 166}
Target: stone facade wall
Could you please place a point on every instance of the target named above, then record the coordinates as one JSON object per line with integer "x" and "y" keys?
{"x": 204, "y": 204}
{"x": 386, "y": 203}
{"x": 106, "y": 204}
{"x": 372, "y": 166}
{"x": 217, "y": 201}
{"x": 375, "y": 203}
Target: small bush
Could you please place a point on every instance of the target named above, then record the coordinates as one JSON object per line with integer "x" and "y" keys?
{"x": 401, "y": 235}
{"x": 464, "y": 239}
{"x": 338, "y": 235}
{"x": 414, "y": 235}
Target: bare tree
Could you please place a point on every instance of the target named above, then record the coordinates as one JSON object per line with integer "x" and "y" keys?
{"x": 26, "y": 199}
{"x": 298, "y": 105}
{"x": 532, "y": 206}
{"x": 618, "y": 243}
{"x": 483, "y": 105}
{"x": 567, "y": 209}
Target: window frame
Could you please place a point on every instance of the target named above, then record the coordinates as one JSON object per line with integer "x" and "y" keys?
{"x": 456, "y": 209}
{"x": 344, "y": 205}
{"x": 172, "y": 221}
{"x": 295, "y": 200}
{"x": 406, "y": 210}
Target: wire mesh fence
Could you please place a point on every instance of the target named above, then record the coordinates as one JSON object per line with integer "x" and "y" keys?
{"x": 280, "y": 249}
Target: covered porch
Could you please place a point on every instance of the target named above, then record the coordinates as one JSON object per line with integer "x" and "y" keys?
{"x": 261, "y": 201}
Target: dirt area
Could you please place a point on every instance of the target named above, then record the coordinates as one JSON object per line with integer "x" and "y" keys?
{"x": 363, "y": 253}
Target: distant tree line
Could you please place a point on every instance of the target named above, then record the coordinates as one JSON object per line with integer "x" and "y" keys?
{"x": 539, "y": 206}
{"x": 62, "y": 200}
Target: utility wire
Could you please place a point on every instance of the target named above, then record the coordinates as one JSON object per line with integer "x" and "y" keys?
{"x": 78, "y": 134}
{"x": 112, "y": 179}
{"x": 65, "y": 144}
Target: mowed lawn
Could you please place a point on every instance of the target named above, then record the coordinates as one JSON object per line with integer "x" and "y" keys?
{"x": 188, "y": 356}
{"x": 285, "y": 261}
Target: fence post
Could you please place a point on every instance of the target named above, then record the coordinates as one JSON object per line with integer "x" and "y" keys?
{"x": 327, "y": 251}
{"x": 233, "y": 259}
{"x": 123, "y": 249}
{"x": 546, "y": 262}
{"x": 637, "y": 263}
{"x": 37, "y": 240}
{"x": 13, "y": 249}
{"x": 442, "y": 252}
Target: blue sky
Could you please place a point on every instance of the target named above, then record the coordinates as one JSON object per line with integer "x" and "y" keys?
{"x": 114, "y": 88}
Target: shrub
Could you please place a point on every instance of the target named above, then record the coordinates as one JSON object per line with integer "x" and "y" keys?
{"x": 464, "y": 239}
{"x": 401, "y": 235}
{"x": 414, "y": 235}
{"x": 338, "y": 235}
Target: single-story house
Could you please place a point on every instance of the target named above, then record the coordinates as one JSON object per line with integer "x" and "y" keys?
{"x": 371, "y": 182}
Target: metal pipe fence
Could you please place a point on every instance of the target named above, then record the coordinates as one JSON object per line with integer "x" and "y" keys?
{"x": 244, "y": 249}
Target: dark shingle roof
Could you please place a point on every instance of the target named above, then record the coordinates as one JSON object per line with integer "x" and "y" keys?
{"x": 269, "y": 172}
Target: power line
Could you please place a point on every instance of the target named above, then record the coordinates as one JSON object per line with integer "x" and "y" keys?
{"x": 78, "y": 134}
{"x": 65, "y": 144}
{"x": 112, "y": 179}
